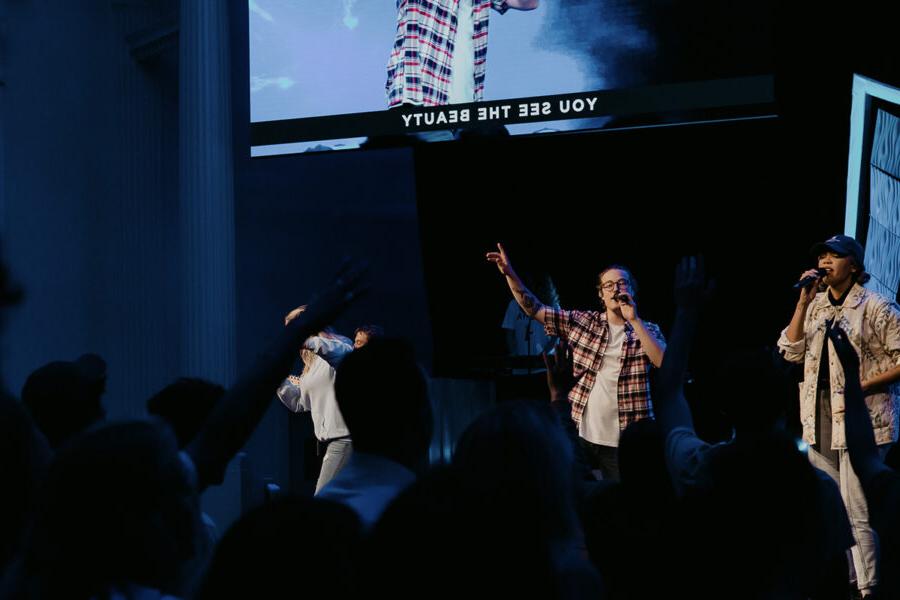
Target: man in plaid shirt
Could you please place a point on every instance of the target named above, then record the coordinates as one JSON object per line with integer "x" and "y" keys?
{"x": 440, "y": 50}
{"x": 612, "y": 353}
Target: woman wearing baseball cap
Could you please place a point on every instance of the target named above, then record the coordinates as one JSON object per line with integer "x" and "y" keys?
{"x": 833, "y": 295}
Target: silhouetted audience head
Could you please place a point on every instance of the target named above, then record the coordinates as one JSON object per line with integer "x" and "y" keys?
{"x": 65, "y": 397}
{"x": 291, "y": 547}
{"x": 438, "y": 539}
{"x": 185, "y": 406}
{"x": 642, "y": 464}
{"x": 383, "y": 397}
{"x": 518, "y": 455}
{"x": 759, "y": 526}
{"x": 500, "y": 520}
{"x": 633, "y": 518}
{"x": 119, "y": 508}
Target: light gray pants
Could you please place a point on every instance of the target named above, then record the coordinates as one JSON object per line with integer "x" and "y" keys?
{"x": 865, "y": 551}
{"x": 337, "y": 453}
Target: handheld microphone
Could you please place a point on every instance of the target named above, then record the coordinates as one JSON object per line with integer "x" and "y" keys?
{"x": 623, "y": 298}
{"x": 807, "y": 281}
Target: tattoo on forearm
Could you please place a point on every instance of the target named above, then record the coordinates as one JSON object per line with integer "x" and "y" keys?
{"x": 529, "y": 303}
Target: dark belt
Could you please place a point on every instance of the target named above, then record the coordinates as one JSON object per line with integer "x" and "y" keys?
{"x": 322, "y": 445}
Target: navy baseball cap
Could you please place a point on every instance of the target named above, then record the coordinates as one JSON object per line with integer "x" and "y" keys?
{"x": 843, "y": 245}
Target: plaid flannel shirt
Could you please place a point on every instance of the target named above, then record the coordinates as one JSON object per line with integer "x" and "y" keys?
{"x": 587, "y": 333}
{"x": 418, "y": 71}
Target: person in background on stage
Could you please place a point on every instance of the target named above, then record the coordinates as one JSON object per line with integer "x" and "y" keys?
{"x": 313, "y": 392}
{"x": 524, "y": 335}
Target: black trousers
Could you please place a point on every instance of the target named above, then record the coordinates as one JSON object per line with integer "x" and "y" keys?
{"x": 601, "y": 458}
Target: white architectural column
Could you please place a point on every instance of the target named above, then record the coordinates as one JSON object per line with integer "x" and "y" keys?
{"x": 206, "y": 191}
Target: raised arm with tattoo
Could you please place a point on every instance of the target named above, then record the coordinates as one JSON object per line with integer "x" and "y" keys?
{"x": 526, "y": 299}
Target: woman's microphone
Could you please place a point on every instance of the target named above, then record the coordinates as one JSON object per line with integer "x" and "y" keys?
{"x": 810, "y": 279}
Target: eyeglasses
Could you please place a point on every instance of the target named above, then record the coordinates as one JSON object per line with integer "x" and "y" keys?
{"x": 609, "y": 286}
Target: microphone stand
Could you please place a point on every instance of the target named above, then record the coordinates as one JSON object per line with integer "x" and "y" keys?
{"x": 528, "y": 339}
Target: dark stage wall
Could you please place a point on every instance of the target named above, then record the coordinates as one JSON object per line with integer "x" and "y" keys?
{"x": 572, "y": 205}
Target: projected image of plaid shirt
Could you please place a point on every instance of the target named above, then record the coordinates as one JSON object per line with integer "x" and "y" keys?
{"x": 419, "y": 70}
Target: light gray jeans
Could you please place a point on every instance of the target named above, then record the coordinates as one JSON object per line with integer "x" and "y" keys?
{"x": 337, "y": 453}
{"x": 865, "y": 551}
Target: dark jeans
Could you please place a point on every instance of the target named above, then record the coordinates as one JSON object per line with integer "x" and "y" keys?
{"x": 601, "y": 458}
